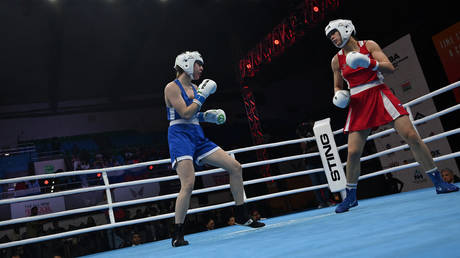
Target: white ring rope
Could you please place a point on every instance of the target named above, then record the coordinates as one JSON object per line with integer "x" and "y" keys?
{"x": 211, "y": 171}
{"x": 107, "y": 186}
{"x": 208, "y": 189}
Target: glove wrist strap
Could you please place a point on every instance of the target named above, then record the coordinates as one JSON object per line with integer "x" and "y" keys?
{"x": 374, "y": 65}
{"x": 200, "y": 116}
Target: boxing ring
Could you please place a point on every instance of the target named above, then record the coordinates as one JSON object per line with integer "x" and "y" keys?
{"x": 417, "y": 223}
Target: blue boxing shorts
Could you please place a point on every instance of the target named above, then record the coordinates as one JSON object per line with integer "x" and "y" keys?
{"x": 187, "y": 141}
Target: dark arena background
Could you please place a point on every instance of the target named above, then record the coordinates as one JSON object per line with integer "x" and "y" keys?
{"x": 82, "y": 93}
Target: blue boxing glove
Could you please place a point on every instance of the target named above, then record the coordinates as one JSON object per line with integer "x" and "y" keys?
{"x": 206, "y": 88}
{"x": 215, "y": 116}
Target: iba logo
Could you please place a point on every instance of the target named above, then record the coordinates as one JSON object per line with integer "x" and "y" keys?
{"x": 139, "y": 193}
{"x": 418, "y": 177}
{"x": 395, "y": 59}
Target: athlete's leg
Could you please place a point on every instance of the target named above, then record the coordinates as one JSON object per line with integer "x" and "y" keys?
{"x": 422, "y": 154}
{"x": 221, "y": 159}
{"x": 186, "y": 173}
{"x": 356, "y": 142}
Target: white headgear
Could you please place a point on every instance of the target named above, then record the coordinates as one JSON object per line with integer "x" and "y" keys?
{"x": 187, "y": 60}
{"x": 345, "y": 27}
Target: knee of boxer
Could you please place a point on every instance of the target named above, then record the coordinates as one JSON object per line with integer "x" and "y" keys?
{"x": 187, "y": 186}
{"x": 237, "y": 168}
{"x": 354, "y": 151}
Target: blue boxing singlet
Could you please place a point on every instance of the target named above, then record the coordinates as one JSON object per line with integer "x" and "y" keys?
{"x": 170, "y": 111}
{"x": 186, "y": 139}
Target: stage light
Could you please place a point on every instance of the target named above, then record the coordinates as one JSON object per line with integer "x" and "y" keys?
{"x": 276, "y": 42}
{"x": 315, "y": 9}
{"x": 249, "y": 66}
{"x": 150, "y": 167}
{"x": 46, "y": 182}
{"x": 98, "y": 174}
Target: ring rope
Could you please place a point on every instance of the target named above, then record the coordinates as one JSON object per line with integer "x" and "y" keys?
{"x": 107, "y": 186}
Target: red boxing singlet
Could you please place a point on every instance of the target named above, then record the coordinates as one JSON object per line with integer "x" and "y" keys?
{"x": 372, "y": 103}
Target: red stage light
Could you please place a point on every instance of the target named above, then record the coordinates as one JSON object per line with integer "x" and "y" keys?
{"x": 276, "y": 42}
{"x": 46, "y": 182}
{"x": 98, "y": 174}
{"x": 248, "y": 66}
{"x": 150, "y": 167}
{"x": 315, "y": 9}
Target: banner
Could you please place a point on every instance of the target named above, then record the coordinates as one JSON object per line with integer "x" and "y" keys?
{"x": 447, "y": 44}
{"x": 45, "y": 206}
{"x": 135, "y": 192}
{"x": 49, "y": 166}
{"x": 408, "y": 83}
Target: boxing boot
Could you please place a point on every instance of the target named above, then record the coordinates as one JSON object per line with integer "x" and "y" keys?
{"x": 178, "y": 236}
{"x": 349, "y": 202}
{"x": 439, "y": 184}
{"x": 242, "y": 217}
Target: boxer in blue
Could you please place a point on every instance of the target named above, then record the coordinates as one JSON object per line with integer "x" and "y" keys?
{"x": 187, "y": 143}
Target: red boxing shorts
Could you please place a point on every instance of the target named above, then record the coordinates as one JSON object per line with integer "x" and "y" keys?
{"x": 372, "y": 106}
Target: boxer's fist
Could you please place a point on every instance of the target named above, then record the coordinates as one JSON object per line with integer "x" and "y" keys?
{"x": 356, "y": 59}
{"x": 341, "y": 98}
{"x": 215, "y": 116}
{"x": 206, "y": 88}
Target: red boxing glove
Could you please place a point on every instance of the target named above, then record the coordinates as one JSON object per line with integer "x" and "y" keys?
{"x": 373, "y": 64}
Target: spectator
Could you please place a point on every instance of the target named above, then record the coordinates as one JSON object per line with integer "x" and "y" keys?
{"x": 136, "y": 239}
{"x": 231, "y": 221}
{"x": 84, "y": 165}
{"x": 210, "y": 225}
{"x": 58, "y": 252}
{"x": 255, "y": 215}
{"x": 90, "y": 222}
{"x": 89, "y": 240}
{"x": 56, "y": 228}
{"x": 20, "y": 186}
{"x": 448, "y": 176}
{"x": 33, "y": 229}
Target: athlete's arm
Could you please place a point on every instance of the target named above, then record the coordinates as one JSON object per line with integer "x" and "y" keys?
{"x": 385, "y": 66}
{"x": 341, "y": 97}
{"x": 174, "y": 99}
{"x": 338, "y": 80}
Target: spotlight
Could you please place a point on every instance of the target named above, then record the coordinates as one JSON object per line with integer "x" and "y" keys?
{"x": 276, "y": 42}
{"x": 315, "y": 9}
